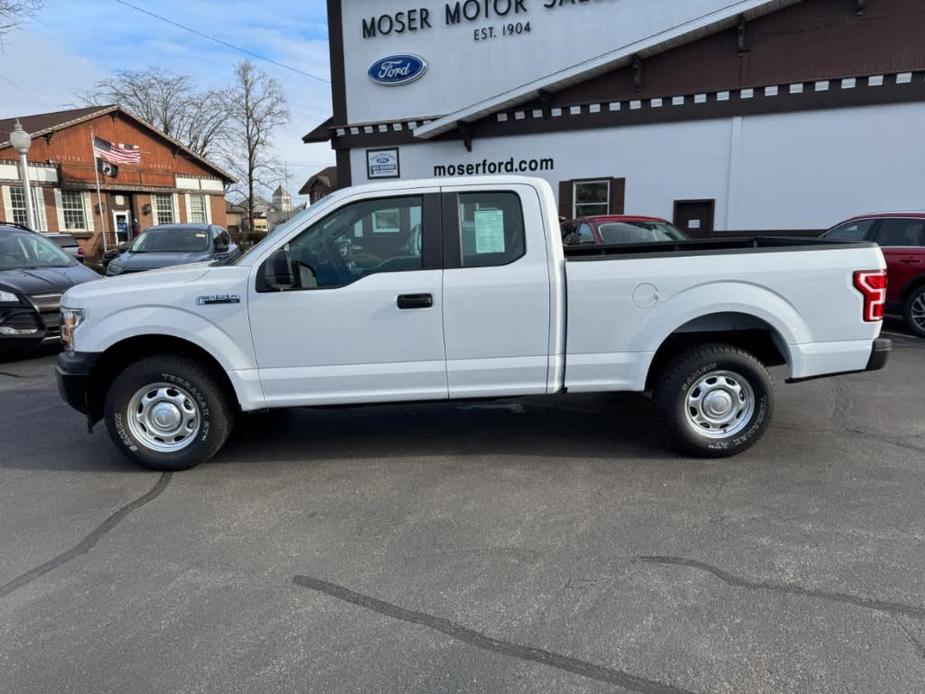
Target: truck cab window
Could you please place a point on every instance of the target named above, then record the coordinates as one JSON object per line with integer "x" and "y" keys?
{"x": 361, "y": 239}
{"x": 491, "y": 229}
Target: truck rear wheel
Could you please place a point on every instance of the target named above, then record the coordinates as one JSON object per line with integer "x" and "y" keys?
{"x": 716, "y": 400}
{"x": 168, "y": 412}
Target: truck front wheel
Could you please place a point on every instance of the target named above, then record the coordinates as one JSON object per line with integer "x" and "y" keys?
{"x": 716, "y": 400}
{"x": 168, "y": 412}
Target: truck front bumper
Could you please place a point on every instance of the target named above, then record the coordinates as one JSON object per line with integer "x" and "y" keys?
{"x": 73, "y": 374}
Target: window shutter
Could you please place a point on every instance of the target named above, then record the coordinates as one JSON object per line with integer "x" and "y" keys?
{"x": 207, "y": 201}
{"x": 59, "y": 209}
{"x": 189, "y": 208}
{"x": 154, "y": 219}
{"x": 566, "y": 192}
{"x": 7, "y": 203}
{"x": 176, "y": 208}
{"x": 617, "y": 195}
{"x": 88, "y": 211}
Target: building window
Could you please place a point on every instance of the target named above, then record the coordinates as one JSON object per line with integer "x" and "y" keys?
{"x": 163, "y": 207}
{"x": 72, "y": 205}
{"x": 197, "y": 209}
{"x": 591, "y": 198}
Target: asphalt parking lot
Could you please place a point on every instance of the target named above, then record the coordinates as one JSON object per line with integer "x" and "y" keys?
{"x": 526, "y": 546}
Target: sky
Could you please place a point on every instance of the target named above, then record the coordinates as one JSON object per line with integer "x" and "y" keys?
{"x": 52, "y": 58}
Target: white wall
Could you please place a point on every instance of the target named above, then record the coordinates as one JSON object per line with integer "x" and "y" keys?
{"x": 463, "y": 71}
{"x": 795, "y": 171}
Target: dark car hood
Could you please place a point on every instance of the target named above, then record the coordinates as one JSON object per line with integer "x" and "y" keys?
{"x": 134, "y": 262}
{"x": 46, "y": 280}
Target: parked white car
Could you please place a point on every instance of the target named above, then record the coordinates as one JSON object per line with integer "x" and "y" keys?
{"x": 460, "y": 288}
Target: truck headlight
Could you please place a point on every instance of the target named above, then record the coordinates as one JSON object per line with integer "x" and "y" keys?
{"x": 70, "y": 319}
{"x": 8, "y": 297}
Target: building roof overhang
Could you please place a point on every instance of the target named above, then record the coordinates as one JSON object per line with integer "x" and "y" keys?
{"x": 705, "y": 25}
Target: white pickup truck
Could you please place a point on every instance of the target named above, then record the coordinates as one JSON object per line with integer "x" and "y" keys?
{"x": 457, "y": 289}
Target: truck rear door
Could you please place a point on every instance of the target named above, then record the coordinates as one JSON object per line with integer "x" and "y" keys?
{"x": 496, "y": 291}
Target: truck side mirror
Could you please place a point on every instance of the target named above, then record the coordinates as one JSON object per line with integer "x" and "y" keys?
{"x": 277, "y": 271}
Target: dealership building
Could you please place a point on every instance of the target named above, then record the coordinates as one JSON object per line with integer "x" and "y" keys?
{"x": 756, "y": 115}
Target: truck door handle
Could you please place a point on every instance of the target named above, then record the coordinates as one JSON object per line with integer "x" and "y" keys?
{"x": 410, "y": 301}
{"x": 910, "y": 261}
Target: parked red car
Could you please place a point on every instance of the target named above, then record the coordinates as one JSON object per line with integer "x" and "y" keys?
{"x": 901, "y": 235}
{"x": 619, "y": 229}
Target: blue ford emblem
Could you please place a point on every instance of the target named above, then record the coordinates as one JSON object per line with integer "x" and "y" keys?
{"x": 397, "y": 69}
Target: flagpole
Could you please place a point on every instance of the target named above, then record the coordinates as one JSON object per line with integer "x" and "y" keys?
{"x": 99, "y": 195}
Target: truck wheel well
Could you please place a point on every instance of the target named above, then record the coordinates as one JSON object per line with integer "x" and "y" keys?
{"x": 737, "y": 329}
{"x": 115, "y": 359}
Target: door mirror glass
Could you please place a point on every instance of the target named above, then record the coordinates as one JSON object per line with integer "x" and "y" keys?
{"x": 277, "y": 271}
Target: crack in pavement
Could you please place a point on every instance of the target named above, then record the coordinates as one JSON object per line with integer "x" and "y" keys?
{"x": 89, "y": 541}
{"x": 487, "y": 643}
{"x": 891, "y": 608}
{"x": 916, "y": 644}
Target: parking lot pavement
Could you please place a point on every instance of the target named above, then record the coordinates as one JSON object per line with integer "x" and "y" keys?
{"x": 526, "y": 546}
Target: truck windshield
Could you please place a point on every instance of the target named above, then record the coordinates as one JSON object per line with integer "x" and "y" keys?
{"x": 639, "y": 232}
{"x": 21, "y": 250}
{"x": 172, "y": 240}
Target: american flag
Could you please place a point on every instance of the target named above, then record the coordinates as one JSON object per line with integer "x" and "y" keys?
{"x": 116, "y": 153}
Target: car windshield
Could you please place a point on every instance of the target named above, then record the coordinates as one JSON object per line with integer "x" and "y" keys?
{"x": 172, "y": 240}
{"x": 639, "y": 232}
{"x": 22, "y": 250}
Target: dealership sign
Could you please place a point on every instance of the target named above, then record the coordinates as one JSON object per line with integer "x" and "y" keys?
{"x": 396, "y": 70}
{"x": 382, "y": 163}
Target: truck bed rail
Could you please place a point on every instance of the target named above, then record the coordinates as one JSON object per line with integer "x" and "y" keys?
{"x": 739, "y": 244}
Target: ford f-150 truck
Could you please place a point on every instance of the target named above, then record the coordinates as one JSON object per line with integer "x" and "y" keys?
{"x": 461, "y": 289}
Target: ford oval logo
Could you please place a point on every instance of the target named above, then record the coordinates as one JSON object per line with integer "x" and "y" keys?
{"x": 396, "y": 70}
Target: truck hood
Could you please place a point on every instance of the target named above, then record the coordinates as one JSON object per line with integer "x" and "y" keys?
{"x": 127, "y": 284}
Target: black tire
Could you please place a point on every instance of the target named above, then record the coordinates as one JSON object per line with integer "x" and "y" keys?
{"x": 215, "y": 412}
{"x": 679, "y": 380}
{"x": 915, "y": 302}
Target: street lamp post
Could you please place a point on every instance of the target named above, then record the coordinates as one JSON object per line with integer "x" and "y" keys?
{"x": 22, "y": 141}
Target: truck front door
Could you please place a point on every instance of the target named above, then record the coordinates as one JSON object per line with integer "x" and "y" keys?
{"x": 365, "y": 323}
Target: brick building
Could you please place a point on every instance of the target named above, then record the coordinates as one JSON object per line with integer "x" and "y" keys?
{"x": 169, "y": 184}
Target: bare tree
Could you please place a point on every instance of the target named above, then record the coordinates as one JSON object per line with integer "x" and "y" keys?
{"x": 13, "y": 12}
{"x": 171, "y": 103}
{"x": 257, "y": 107}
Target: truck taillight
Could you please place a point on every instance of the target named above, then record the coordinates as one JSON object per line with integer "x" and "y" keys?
{"x": 872, "y": 285}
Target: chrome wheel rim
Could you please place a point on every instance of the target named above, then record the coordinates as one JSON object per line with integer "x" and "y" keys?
{"x": 918, "y": 312}
{"x": 719, "y": 405}
{"x": 163, "y": 417}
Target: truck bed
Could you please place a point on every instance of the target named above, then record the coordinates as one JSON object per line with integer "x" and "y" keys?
{"x": 735, "y": 244}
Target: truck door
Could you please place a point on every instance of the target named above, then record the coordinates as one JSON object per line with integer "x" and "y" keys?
{"x": 496, "y": 291}
{"x": 366, "y": 324}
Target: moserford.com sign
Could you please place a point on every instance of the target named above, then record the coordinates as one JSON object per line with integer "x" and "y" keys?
{"x": 508, "y": 166}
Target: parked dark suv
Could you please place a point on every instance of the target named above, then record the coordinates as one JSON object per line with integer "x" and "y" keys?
{"x": 34, "y": 273}
{"x": 173, "y": 244}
